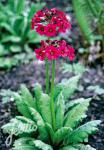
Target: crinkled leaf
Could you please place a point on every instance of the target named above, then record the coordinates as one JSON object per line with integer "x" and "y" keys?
{"x": 76, "y": 68}
{"x": 40, "y": 124}
{"x": 11, "y": 38}
{"x": 27, "y": 97}
{"x": 67, "y": 87}
{"x": 44, "y": 108}
{"x": 72, "y": 103}
{"x": 42, "y": 146}
{"x": 18, "y": 126}
{"x": 60, "y": 108}
{"x": 84, "y": 147}
{"x": 22, "y": 105}
{"x": 25, "y": 143}
{"x": 50, "y": 131}
{"x": 76, "y": 114}
{"x": 61, "y": 133}
{"x": 82, "y": 132}
{"x": 68, "y": 148}
{"x": 37, "y": 90}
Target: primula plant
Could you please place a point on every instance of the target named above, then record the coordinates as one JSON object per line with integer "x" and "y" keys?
{"x": 47, "y": 124}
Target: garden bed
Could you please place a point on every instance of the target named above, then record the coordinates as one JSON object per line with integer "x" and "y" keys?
{"x": 35, "y": 72}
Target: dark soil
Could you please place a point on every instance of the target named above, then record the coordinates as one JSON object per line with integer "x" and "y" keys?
{"x": 35, "y": 72}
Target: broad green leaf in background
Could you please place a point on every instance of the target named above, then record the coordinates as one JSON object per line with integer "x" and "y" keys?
{"x": 75, "y": 68}
{"x": 84, "y": 17}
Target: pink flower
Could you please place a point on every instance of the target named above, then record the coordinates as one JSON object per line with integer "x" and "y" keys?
{"x": 52, "y": 52}
{"x": 50, "y": 30}
{"x": 40, "y": 29}
{"x": 40, "y": 54}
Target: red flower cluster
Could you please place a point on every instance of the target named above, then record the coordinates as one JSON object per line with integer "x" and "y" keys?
{"x": 50, "y": 22}
{"x": 54, "y": 49}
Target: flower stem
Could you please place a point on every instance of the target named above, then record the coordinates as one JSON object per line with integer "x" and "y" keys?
{"x": 52, "y": 96}
{"x": 47, "y": 76}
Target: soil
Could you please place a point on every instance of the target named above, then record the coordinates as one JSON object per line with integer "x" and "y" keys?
{"x": 35, "y": 72}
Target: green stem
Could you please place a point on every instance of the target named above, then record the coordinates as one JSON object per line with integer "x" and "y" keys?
{"x": 52, "y": 96}
{"x": 47, "y": 76}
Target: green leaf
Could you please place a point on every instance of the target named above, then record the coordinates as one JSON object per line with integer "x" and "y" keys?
{"x": 37, "y": 90}
{"x": 76, "y": 114}
{"x": 67, "y": 87}
{"x": 40, "y": 124}
{"x": 98, "y": 90}
{"x": 11, "y": 38}
{"x": 20, "y": 126}
{"x": 34, "y": 8}
{"x": 42, "y": 146}
{"x": 50, "y": 131}
{"x": 24, "y": 143}
{"x": 60, "y": 109}
{"x": 22, "y": 105}
{"x": 73, "y": 103}
{"x": 84, "y": 17}
{"x": 18, "y": 25}
{"x": 7, "y": 95}
{"x": 68, "y": 148}
{"x": 76, "y": 68}
{"x": 34, "y": 37}
{"x": 20, "y": 6}
{"x": 27, "y": 97}
{"x": 7, "y": 27}
{"x": 82, "y": 132}
{"x": 61, "y": 133}
{"x": 15, "y": 48}
{"x": 44, "y": 108}
{"x": 84, "y": 147}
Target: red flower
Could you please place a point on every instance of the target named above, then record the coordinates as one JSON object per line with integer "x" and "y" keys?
{"x": 50, "y": 30}
{"x": 62, "y": 43}
{"x": 40, "y": 29}
{"x": 53, "y": 20}
{"x": 64, "y": 25}
{"x": 63, "y": 51}
{"x": 40, "y": 54}
{"x": 52, "y": 52}
{"x": 39, "y": 13}
{"x": 71, "y": 53}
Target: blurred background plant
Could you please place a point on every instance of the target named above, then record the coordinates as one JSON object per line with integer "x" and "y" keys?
{"x": 15, "y": 34}
{"x": 90, "y": 17}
